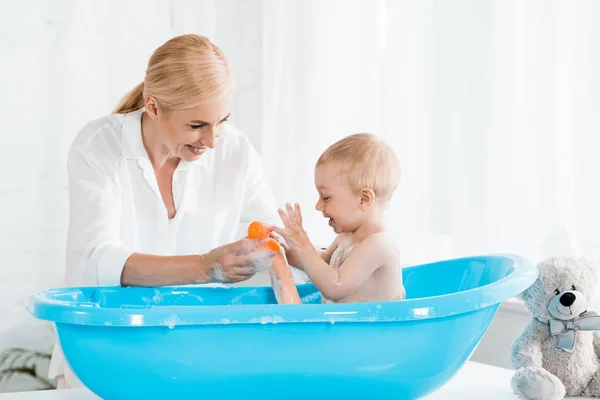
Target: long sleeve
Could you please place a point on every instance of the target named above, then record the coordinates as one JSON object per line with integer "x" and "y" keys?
{"x": 95, "y": 254}
{"x": 259, "y": 201}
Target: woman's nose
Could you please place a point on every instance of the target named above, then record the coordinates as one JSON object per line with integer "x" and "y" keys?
{"x": 210, "y": 137}
{"x": 319, "y": 206}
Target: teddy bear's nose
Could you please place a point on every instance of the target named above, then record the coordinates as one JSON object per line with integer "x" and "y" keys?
{"x": 567, "y": 299}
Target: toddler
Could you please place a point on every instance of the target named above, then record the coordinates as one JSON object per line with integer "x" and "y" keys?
{"x": 355, "y": 178}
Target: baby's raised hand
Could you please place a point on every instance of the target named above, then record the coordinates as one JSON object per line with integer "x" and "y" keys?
{"x": 293, "y": 232}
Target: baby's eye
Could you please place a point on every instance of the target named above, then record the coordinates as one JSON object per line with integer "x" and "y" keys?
{"x": 573, "y": 287}
{"x": 325, "y": 198}
{"x": 557, "y": 292}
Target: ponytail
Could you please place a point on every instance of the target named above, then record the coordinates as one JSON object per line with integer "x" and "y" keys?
{"x": 183, "y": 73}
{"x": 134, "y": 100}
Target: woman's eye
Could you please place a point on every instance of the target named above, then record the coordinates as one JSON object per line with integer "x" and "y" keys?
{"x": 196, "y": 126}
{"x": 325, "y": 198}
{"x": 557, "y": 292}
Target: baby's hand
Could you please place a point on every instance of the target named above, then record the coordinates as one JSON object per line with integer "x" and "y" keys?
{"x": 293, "y": 233}
{"x": 291, "y": 256}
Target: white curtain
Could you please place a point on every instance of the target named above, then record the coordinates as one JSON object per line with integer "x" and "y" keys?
{"x": 492, "y": 107}
{"x": 62, "y": 64}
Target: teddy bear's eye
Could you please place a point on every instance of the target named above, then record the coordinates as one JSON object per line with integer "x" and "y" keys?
{"x": 557, "y": 292}
{"x": 573, "y": 287}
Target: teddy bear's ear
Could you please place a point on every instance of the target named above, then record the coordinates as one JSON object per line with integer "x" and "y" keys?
{"x": 591, "y": 266}
{"x": 587, "y": 264}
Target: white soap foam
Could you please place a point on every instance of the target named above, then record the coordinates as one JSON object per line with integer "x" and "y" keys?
{"x": 195, "y": 296}
{"x": 238, "y": 299}
{"x": 261, "y": 260}
{"x": 276, "y": 287}
{"x": 218, "y": 273}
{"x": 158, "y": 296}
{"x": 250, "y": 244}
{"x": 171, "y": 321}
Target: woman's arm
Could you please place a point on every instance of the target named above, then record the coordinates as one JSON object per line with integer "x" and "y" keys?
{"x": 223, "y": 264}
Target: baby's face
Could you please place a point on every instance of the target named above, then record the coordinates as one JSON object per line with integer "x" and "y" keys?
{"x": 337, "y": 201}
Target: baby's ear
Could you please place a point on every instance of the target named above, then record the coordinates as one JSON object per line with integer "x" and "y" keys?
{"x": 367, "y": 198}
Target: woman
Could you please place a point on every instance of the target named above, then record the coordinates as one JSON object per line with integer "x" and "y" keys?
{"x": 162, "y": 191}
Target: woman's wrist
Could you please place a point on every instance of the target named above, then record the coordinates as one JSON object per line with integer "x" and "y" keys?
{"x": 203, "y": 270}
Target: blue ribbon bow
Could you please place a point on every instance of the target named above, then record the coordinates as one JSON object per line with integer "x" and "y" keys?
{"x": 565, "y": 330}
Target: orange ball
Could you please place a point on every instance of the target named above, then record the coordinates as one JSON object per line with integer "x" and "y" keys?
{"x": 273, "y": 245}
{"x": 258, "y": 230}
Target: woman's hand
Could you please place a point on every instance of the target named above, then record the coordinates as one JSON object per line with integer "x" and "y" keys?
{"x": 293, "y": 232}
{"x": 237, "y": 261}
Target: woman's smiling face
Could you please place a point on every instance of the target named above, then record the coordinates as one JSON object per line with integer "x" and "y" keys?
{"x": 188, "y": 133}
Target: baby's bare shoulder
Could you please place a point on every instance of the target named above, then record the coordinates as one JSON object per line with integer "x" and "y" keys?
{"x": 383, "y": 245}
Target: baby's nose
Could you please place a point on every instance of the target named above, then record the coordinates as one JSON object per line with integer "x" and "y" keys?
{"x": 567, "y": 299}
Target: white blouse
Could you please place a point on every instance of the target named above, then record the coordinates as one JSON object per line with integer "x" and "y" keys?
{"x": 116, "y": 207}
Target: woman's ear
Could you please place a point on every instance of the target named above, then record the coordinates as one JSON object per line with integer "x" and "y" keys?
{"x": 367, "y": 198}
{"x": 151, "y": 107}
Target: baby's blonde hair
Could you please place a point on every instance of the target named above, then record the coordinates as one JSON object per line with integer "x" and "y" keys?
{"x": 367, "y": 162}
{"x": 185, "y": 72}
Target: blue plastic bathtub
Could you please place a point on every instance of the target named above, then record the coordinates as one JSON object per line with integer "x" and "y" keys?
{"x": 170, "y": 342}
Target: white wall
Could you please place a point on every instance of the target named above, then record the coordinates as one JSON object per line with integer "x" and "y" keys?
{"x": 508, "y": 324}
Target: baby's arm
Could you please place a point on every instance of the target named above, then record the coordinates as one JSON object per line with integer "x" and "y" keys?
{"x": 327, "y": 253}
{"x": 293, "y": 259}
{"x": 292, "y": 256}
{"x": 337, "y": 284}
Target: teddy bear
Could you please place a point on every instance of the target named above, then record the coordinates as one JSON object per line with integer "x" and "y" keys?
{"x": 558, "y": 352}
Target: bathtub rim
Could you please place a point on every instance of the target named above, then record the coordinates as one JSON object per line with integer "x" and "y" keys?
{"x": 43, "y": 306}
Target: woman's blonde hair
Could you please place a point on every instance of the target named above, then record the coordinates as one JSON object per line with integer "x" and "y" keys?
{"x": 185, "y": 72}
{"x": 367, "y": 162}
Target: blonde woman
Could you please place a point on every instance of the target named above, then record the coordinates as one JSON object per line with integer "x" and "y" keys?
{"x": 162, "y": 190}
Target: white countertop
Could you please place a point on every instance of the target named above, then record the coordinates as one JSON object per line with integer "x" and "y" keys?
{"x": 474, "y": 381}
